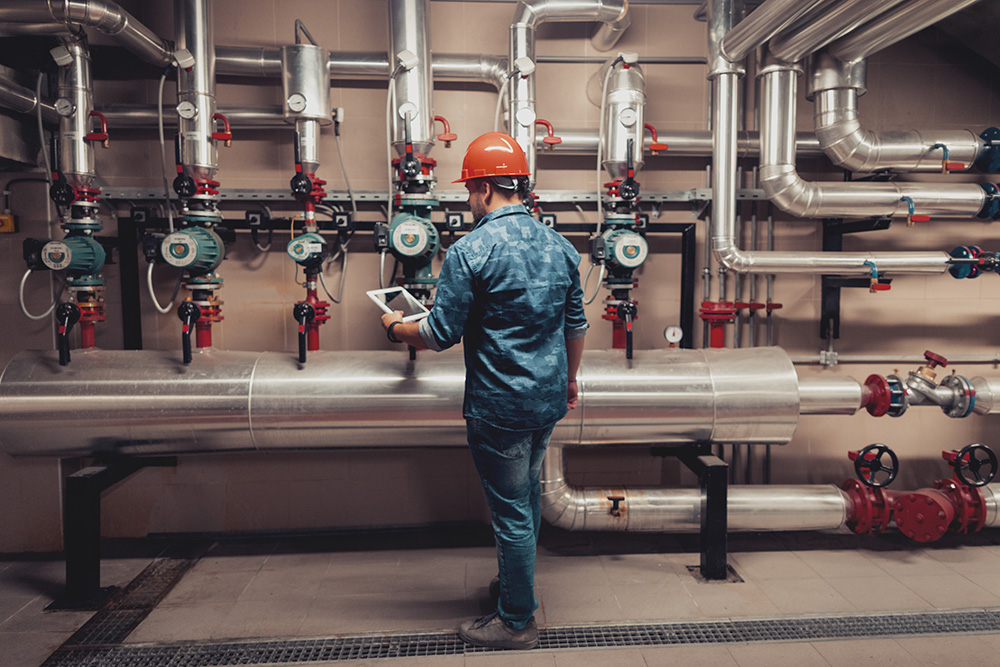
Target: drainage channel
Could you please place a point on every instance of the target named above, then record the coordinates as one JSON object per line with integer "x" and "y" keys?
{"x": 375, "y": 646}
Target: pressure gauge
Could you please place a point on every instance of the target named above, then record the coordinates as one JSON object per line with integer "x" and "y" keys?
{"x": 187, "y": 110}
{"x": 297, "y": 103}
{"x": 65, "y": 107}
{"x": 673, "y": 334}
{"x": 525, "y": 116}
{"x": 628, "y": 116}
{"x": 407, "y": 109}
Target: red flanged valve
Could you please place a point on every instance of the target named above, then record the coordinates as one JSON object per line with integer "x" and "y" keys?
{"x": 925, "y": 515}
{"x": 879, "y": 395}
{"x": 970, "y": 505}
{"x": 870, "y": 509}
{"x": 935, "y": 360}
{"x": 102, "y": 134}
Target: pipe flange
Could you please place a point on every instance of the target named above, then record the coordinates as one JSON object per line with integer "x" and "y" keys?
{"x": 965, "y": 396}
{"x": 898, "y": 401}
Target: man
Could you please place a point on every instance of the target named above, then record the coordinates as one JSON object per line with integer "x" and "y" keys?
{"x": 511, "y": 289}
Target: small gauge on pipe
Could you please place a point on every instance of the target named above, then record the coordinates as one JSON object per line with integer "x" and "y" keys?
{"x": 673, "y": 334}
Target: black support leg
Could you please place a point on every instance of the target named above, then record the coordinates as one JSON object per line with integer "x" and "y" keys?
{"x": 714, "y": 517}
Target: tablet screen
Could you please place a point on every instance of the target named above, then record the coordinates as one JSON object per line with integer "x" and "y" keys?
{"x": 400, "y": 299}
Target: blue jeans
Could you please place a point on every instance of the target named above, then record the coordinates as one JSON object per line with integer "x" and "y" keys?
{"x": 510, "y": 464}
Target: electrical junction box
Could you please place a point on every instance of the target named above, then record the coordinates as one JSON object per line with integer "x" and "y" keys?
{"x": 642, "y": 221}
{"x": 549, "y": 220}
{"x": 8, "y": 223}
{"x": 342, "y": 220}
{"x": 453, "y": 220}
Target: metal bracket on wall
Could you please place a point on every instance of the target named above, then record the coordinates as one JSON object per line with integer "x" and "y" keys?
{"x": 833, "y": 240}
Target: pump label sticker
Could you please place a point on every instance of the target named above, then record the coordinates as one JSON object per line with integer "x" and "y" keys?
{"x": 56, "y": 255}
{"x": 179, "y": 249}
{"x": 410, "y": 238}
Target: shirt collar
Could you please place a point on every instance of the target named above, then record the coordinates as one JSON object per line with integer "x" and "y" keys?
{"x": 501, "y": 212}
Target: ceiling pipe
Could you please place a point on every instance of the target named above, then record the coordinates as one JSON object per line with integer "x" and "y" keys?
{"x": 896, "y": 24}
{"x": 793, "y": 44}
{"x": 106, "y": 16}
{"x": 528, "y": 15}
{"x": 196, "y": 85}
{"x": 835, "y": 87}
{"x": 18, "y": 98}
{"x": 33, "y": 29}
{"x": 750, "y": 508}
{"x": 682, "y": 143}
{"x": 410, "y": 83}
{"x": 762, "y": 24}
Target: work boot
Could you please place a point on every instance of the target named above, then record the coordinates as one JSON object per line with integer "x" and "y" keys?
{"x": 495, "y": 591}
{"x": 491, "y": 631}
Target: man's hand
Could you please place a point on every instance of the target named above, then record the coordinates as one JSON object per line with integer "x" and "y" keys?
{"x": 571, "y": 395}
{"x": 389, "y": 318}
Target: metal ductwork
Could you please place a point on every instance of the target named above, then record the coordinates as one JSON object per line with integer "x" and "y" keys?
{"x": 835, "y": 87}
{"x": 527, "y": 17}
{"x": 146, "y": 402}
{"x": 893, "y": 26}
{"x": 795, "y": 43}
{"x": 763, "y": 23}
{"x": 106, "y": 16}
{"x": 18, "y": 98}
{"x": 411, "y": 84}
{"x": 196, "y": 86}
{"x": 76, "y": 92}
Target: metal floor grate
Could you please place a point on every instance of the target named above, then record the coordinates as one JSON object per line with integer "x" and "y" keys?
{"x": 368, "y": 647}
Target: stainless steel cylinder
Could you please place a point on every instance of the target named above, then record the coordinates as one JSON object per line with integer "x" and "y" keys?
{"x": 196, "y": 87}
{"x": 305, "y": 83}
{"x": 411, "y": 88}
{"x": 624, "y": 113}
{"x": 991, "y": 502}
{"x": 767, "y": 20}
{"x": 839, "y": 19}
{"x": 149, "y": 402}
{"x": 18, "y": 98}
{"x": 987, "y": 395}
{"x": 829, "y": 396}
{"x": 76, "y": 156}
{"x": 308, "y": 137}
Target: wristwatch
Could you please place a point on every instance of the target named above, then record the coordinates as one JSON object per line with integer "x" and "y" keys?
{"x": 391, "y": 335}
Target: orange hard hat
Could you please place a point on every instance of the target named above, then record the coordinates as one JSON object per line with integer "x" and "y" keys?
{"x": 493, "y": 154}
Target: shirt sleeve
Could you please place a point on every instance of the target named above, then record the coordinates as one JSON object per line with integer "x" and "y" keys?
{"x": 444, "y": 327}
{"x": 576, "y": 320}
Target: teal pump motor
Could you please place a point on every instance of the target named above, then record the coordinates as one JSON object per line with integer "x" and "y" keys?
{"x": 414, "y": 241}
{"x": 196, "y": 249}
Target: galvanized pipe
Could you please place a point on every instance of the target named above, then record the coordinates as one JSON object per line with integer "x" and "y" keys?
{"x": 682, "y": 143}
{"x": 23, "y": 100}
{"x": 196, "y": 85}
{"x": 830, "y": 395}
{"x": 749, "y": 508}
{"x": 623, "y": 120}
{"x": 835, "y": 89}
{"x": 143, "y": 115}
{"x": 107, "y": 16}
{"x": 148, "y": 402}
{"x": 893, "y": 26}
{"x": 762, "y": 24}
{"x": 76, "y": 156}
{"x": 793, "y": 44}
{"x": 411, "y": 88}
{"x": 528, "y": 15}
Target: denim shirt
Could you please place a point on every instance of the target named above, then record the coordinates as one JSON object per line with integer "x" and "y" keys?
{"x": 511, "y": 289}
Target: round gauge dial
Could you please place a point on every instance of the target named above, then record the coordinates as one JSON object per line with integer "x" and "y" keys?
{"x": 187, "y": 110}
{"x": 673, "y": 334}
{"x": 297, "y": 103}
{"x": 628, "y": 116}
{"x": 65, "y": 107}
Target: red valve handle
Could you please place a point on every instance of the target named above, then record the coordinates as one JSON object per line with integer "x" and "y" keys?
{"x": 880, "y": 287}
{"x": 934, "y": 360}
{"x": 227, "y": 134}
{"x": 550, "y": 140}
{"x": 447, "y": 137}
{"x": 954, "y": 166}
{"x": 103, "y": 134}
{"x": 656, "y": 146}
{"x": 918, "y": 218}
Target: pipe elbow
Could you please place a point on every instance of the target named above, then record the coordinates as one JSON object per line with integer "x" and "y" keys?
{"x": 609, "y": 32}
{"x": 558, "y": 504}
{"x": 848, "y": 146}
{"x": 729, "y": 256}
{"x": 785, "y": 189}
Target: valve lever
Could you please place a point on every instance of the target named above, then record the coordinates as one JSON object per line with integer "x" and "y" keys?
{"x": 189, "y": 313}
{"x": 67, "y": 314}
{"x": 626, "y": 313}
{"x": 303, "y": 313}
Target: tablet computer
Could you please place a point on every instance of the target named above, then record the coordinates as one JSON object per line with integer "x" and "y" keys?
{"x": 392, "y": 299}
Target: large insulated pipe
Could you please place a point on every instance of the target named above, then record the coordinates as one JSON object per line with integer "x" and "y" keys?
{"x": 835, "y": 87}
{"x": 148, "y": 402}
{"x": 623, "y": 120}
{"x": 23, "y": 100}
{"x": 763, "y": 23}
{"x": 793, "y": 44}
{"x": 528, "y": 15}
{"x": 682, "y": 143}
{"x": 196, "y": 86}
{"x": 76, "y": 156}
{"x": 108, "y": 17}
{"x": 893, "y": 26}
{"x": 305, "y": 87}
{"x": 411, "y": 87}
{"x": 750, "y": 508}
{"x": 786, "y": 189}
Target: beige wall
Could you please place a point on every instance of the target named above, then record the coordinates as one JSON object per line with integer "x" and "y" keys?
{"x": 918, "y": 83}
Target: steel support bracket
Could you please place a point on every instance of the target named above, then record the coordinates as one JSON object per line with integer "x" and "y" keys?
{"x": 833, "y": 239}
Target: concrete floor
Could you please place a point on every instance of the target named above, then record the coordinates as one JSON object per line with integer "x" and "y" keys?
{"x": 413, "y": 581}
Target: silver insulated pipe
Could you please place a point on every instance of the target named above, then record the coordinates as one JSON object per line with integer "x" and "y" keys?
{"x": 147, "y": 402}
{"x": 305, "y": 85}
{"x": 411, "y": 88}
{"x": 75, "y": 102}
{"x": 623, "y": 120}
{"x": 196, "y": 89}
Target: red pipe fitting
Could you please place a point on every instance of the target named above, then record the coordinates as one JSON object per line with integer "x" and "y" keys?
{"x": 717, "y": 314}
{"x": 320, "y": 308}
{"x": 550, "y": 140}
{"x": 447, "y": 137}
{"x": 102, "y": 135}
{"x": 656, "y": 146}
{"x": 227, "y": 134}
{"x": 870, "y": 508}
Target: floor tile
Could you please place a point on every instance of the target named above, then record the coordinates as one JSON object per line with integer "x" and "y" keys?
{"x": 272, "y": 585}
{"x": 659, "y": 602}
{"x": 777, "y": 655}
{"x": 601, "y": 658}
{"x": 328, "y": 615}
{"x": 22, "y": 649}
{"x": 510, "y": 659}
{"x": 716, "y": 599}
{"x": 430, "y": 610}
{"x": 32, "y": 617}
{"x": 804, "y": 596}
{"x": 689, "y": 656}
{"x": 771, "y": 565}
{"x": 640, "y": 568}
{"x": 883, "y": 652}
{"x": 948, "y": 651}
{"x": 949, "y": 591}
{"x": 267, "y": 618}
{"x": 966, "y": 560}
{"x": 567, "y": 604}
{"x": 836, "y": 563}
{"x": 209, "y": 587}
{"x": 877, "y": 593}
{"x": 199, "y": 622}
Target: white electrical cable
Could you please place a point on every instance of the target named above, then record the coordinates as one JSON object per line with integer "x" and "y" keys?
{"x": 597, "y": 288}
{"x": 381, "y": 270}
{"x": 343, "y": 276}
{"x": 347, "y": 182}
{"x": 496, "y": 114}
{"x": 600, "y": 143}
{"x": 390, "y": 97}
{"x": 163, "y": 156}
{"x": 24, "y": 309}
{"x": 152, "y": 295}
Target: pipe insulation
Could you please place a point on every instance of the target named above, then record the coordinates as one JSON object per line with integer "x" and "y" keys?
{"x": 835, "y": 87}
{"x": 148, "y": 402}
{"x": 196, "y": 85}
{"x": 411, "y": 88}
{"x": 763, "y": 23}
{"x": 106, "y": 16}
{"x": 23, "y": 100}
{"x": 796, "y": 42}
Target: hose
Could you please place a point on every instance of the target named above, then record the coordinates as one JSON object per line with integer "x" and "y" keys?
{"x": 343, "y": 276}
{"x": 152, "y": 294}
{"x": 597, "y": 288}
{"x": 163, "y": 155}
{"x": 24, "y": 309}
